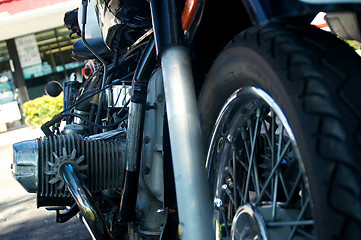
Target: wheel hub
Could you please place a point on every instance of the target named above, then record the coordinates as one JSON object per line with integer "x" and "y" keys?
{"x": 248, "y": 224}
{"x": 256, "y": 223}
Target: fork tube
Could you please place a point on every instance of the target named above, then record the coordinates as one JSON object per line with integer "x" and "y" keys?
{"x": 192, "y": 190}
{"x": 193, "y": 198}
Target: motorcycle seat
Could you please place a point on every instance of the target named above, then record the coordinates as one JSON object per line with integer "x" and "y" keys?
{"x": 81, "y": 52}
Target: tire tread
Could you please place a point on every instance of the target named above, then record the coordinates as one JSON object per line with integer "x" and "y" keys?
{"x": 324, "y": 72}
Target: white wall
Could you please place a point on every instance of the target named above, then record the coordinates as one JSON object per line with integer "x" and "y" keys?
{"x": 36, "y": 20}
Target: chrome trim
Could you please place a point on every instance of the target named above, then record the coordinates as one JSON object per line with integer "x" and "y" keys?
{"x": 85, "y": 202}
{"x": 133, "y": 135}
{"x": 254, "y": 218}
{"x": 272, "y": 219}
{"x": 232, "y": 100}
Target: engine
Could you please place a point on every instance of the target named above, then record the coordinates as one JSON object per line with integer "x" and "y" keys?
{"x": 98, "y": 157}
{"x": 83, "y": 164}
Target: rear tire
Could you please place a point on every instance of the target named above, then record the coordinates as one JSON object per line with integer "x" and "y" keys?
{"x": 314, "y": 78}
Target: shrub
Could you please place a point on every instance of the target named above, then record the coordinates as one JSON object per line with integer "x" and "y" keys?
{"x": 40, "y": 110}
{"x": 354, "y": 44}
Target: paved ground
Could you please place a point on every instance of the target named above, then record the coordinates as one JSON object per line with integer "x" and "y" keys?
{"x": 19, "y": 217}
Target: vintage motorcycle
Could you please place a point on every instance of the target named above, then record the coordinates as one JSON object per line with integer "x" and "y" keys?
{"x": 206, "y": 120}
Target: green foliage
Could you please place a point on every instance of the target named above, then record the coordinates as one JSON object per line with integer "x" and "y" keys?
{"x": 354, "y": 44}
{"x": 40, "y": 110}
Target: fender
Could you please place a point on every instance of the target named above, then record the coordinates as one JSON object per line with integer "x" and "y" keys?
{"x": 219, "y": 22}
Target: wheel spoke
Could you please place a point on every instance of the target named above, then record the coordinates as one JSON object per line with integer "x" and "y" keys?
{"x": 273, "y": 139}
{"x": 291, "y": 223}
{"x": 251, "y": 156}
{"x": 265, "y": 192}
{"x": 306, "y": 234}
{"x": 240, "y": 193}
{"x": 275, "y": 181}
{"x": 260, "y": 170}
{"x": 235, "y": 198}
{"x": 267, "y": 134}
{"x": 249, "y": 164}
{"x": 270, "y": 177}
{"x": 280, "y": 137}
{"x": 285, "y": 148}
{"x": 243, "y": 164}
{"x": 283, "y": 184}
{"x": 274, "y": 197}
{"x": 259, "y": 184}
{"x": 300, "y": 215}
{"x": 294, "y": 187}
{"x": 254, "y": 160}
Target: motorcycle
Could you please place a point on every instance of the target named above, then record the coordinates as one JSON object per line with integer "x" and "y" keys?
{"x": 206, "y": 120}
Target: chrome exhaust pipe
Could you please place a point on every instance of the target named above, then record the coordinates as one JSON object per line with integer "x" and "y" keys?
{"x": 93, "y": 218}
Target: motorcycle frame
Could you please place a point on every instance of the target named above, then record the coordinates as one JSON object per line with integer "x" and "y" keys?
{"x": 135, "y": 132}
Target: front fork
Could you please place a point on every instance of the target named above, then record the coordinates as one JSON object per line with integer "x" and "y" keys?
{"x": 192, "y": 190}
{"x": 193, "y": 197}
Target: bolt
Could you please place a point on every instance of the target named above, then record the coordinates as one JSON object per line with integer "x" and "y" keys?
{"x": 146, "y": 171}
{"x": 218, "y": 202}
{"x": 146, "y": 140}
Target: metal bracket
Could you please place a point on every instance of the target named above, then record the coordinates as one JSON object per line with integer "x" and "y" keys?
{"x": 66, "y": 216}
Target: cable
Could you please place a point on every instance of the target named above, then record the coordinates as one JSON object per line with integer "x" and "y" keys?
{"x": 126, "y": 55}
{"x": 86, "y": 98}
{"x": 83, "y": 22}
{"x": 122, "y": 109}
{"x": 98, "y": 91}
{"x": 58, "y": 117}
{"x": 121, "y": 80}
{"x": 93, "y": 124}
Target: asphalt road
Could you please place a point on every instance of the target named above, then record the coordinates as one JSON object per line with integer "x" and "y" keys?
{"x": 19, "y": 217}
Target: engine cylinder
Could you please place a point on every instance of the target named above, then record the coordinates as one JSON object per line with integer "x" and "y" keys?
{"x": 101, "y": 163}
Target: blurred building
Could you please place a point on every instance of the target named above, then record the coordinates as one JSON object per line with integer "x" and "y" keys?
{"x": 35, "y": 48}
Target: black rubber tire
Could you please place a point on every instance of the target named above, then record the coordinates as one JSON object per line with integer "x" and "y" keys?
{"x": 315, "y": 78}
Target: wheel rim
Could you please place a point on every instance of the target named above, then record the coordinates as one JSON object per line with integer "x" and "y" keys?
{"x": 258, "y": 180}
